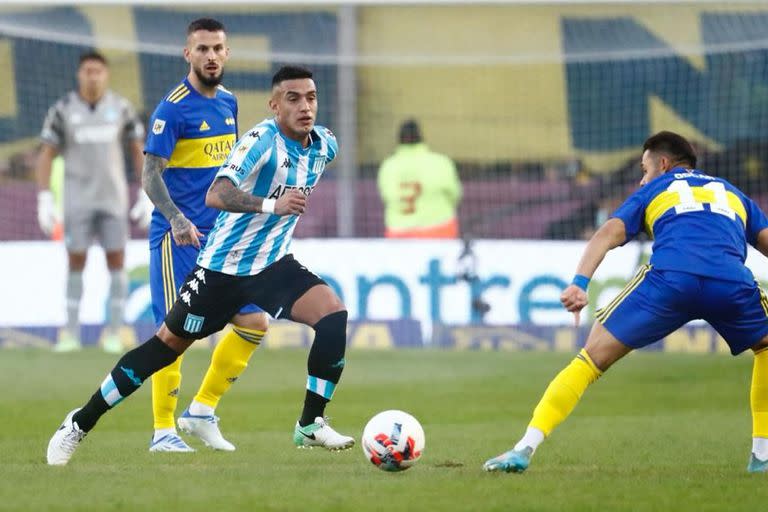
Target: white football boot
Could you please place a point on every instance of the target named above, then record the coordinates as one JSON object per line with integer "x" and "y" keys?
{"x": 65, "y": 441}
{"x": 206, "y": 428}
{"x": 320, "y": 433}
{"x": 170, "y": 443}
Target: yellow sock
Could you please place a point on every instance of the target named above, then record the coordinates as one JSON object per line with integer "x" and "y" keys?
{"x": 564, "y": 393}
{"x": 758, "y": 396}
{"x": 165, "y": 394}
{"x": 230, "y": 358}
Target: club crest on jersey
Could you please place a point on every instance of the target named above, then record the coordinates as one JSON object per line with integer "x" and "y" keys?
{"x": 319, "y": 165}
{"x": 158, "y": 127}
{"x": 204, "y": 126}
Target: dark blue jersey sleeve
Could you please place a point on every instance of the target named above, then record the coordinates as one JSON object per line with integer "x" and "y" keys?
{"x": 165, "y": 128}
{"x": 632, "y": 213}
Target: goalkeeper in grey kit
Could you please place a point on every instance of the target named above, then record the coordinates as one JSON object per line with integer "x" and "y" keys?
{"x": 89, "y": 127}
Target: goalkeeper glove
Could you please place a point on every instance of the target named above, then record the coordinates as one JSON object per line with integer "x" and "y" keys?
{"x": 141, "y": 212}
{"x": 46, "y": 211}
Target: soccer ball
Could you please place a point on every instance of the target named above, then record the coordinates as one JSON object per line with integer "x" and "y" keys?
{"x": 393, "y": 440}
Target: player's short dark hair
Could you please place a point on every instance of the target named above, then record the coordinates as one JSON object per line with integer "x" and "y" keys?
{"x": 674, "y": 145}
{"x": 410, "y": 133}
{"x": 92, "y": 55}
{"x": 290, "y": 73}
{"x": 209, "y": 24}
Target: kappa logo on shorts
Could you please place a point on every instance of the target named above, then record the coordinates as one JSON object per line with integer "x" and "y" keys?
{"x": 186, "y": 298}
{"x": 193, "y": 323}
{"x": 194, "y": 285}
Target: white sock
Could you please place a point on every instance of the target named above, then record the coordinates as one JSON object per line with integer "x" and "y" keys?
{"x": 160, "y": 432}
{"x": 760, "y": 447}
{"x": 533, "y": 438}
{"x": 198, "y": 409}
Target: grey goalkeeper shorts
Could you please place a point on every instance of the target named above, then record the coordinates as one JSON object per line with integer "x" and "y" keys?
{"x": 82, "y": 228}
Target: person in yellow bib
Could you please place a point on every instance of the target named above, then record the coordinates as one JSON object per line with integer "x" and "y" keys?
{"x": 420, "y": 189}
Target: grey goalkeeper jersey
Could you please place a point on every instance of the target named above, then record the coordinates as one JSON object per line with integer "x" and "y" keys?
{"x": 91, "y": 140}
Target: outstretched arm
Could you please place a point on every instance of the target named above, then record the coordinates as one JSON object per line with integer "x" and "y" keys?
{"x": 184, "y": 232}
{"x": 610, "y": 235}
{"x": 224, "y": 195}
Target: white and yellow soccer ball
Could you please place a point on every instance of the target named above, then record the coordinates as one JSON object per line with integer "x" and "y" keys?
{"x": 393, "y": 440}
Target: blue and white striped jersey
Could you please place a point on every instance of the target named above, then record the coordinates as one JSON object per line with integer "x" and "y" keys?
{"x": 265, "y": 164}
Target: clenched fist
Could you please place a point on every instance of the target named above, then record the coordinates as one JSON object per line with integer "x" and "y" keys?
{"x": 292, "y": 202}
{"x": 574, "y": 299}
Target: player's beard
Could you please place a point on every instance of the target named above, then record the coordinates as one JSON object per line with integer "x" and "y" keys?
{"x": 207, "y": 80}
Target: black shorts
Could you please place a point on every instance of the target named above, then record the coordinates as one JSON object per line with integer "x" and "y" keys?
{"x": 208, "y": 300}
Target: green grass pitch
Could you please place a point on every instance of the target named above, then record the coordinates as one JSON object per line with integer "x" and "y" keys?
{"x": 657, "y": 432}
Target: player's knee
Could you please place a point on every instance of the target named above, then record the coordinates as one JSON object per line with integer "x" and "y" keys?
{"x": 336, "y": 306}
{"x": 115, "y": 260}
{"x": 761, "y": 345}
{"x": 333, "y": 307}
{"x": 177, "y": 343}
{"x": 603, "y": 348}
{"x": 76, "y": 261}
{"x": 261, "y": 322}
{"x": 253, "y": 321}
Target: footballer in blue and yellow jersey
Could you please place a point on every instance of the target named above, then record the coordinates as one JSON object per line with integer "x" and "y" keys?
{"x": 695, "y": 220}
{"x": 195, "y": 134}
{"x": 700, "y": 225}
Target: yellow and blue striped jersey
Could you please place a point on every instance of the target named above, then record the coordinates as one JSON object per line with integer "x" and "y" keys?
{"x": 195, "y": 134}
{"x": 700, "y": 224}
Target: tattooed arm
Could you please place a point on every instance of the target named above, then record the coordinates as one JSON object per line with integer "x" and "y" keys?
{"x": 224, "y": 195}
{"x": 184, "y": 232}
